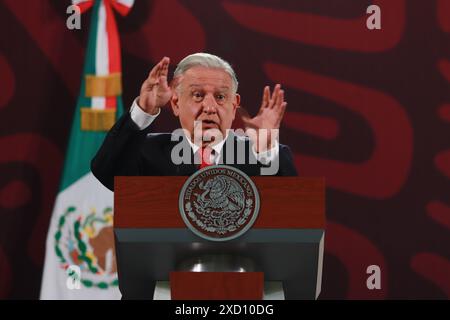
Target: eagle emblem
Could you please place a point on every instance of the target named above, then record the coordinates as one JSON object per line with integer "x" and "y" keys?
{"x": 219, "y": 203}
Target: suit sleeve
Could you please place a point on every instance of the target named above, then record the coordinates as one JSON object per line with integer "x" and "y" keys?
{"x": 119, "y": 154}
{"x": 287, "y": 167}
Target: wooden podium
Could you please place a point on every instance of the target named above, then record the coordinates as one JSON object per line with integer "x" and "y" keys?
{"x": 285, "y": 243}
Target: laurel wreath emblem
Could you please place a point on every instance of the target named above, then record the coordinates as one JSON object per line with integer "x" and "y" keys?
{"x": 82, "y": 247}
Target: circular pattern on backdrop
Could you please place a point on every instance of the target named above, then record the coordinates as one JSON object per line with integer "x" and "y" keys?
{"x": 15, "y": 194}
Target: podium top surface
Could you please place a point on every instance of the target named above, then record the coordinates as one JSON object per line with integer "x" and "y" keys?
{"x": 285, "y": 202}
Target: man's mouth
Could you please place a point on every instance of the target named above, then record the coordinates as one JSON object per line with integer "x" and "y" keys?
{"x": 209, "y": 124}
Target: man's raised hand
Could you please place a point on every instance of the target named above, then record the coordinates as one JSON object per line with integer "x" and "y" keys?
{"x": 155, "y": 91}
{"x": 269, "y": 117}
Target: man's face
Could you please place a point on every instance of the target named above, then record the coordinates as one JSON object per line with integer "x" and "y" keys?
{"x": 206, "y": 95}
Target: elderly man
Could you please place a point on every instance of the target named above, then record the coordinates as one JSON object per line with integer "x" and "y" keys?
{"x": 203, "y": 95}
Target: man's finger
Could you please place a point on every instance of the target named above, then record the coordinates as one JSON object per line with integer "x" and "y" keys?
{"x": 274, "y": 95}
{"x": 152, "y": 80}
{"x": 164, "y": 72}
{"x": 158, "y": 70}
{"x": 163, "y": 83}
{"x": 265, "y": 97}
{"x": 281, "y": 115}
{"x": 165, "y": 66}
{"x": 279, "y": 100}
{"x": 153, "y": 74}
{"x": 148, "y": 85}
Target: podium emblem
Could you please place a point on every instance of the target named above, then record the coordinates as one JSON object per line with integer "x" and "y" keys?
{"x": 219, "y": 203}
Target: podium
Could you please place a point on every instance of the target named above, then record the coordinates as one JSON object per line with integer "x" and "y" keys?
{"x": 284, "y": 244}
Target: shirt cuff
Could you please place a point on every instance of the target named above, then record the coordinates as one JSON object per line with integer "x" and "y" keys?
{"x": 140, "y": 117}
{"x": 267, "y": 156}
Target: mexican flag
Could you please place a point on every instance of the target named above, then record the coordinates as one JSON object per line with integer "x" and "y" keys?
{"x": 80, "y": 257}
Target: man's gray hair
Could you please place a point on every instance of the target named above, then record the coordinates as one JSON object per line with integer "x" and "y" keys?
{"x": 206, "y": 60}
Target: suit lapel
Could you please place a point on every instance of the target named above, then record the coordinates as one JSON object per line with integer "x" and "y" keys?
{"x": 183, "y": 169}
{"x": 251, "y": 169}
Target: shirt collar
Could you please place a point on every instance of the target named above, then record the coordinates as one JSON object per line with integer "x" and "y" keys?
{"x": 216, "y": 147}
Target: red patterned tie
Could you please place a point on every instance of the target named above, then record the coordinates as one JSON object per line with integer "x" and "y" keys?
{"x": 206, "y": 157}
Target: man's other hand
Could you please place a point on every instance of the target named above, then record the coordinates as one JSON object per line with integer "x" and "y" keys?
{"x": 155, "y": 91}
{"x": 269, "y": 118}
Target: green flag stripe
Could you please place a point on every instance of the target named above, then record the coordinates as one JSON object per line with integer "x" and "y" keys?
{"x": 83, "y": 145}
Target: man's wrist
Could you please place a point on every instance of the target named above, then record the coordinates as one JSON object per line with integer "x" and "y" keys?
{"x": 141, "y": 118}
{"x": 265, "y": 147}
{"x": 151, "y": 111}
{"x": 266, "y": 139}
{"x": 267, "y": 156}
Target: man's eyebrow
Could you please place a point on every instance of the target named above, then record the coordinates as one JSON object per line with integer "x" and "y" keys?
{"x": 200, "y": 85}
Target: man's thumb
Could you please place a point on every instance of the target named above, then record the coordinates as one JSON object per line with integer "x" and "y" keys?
{"x": 243, "y": 114}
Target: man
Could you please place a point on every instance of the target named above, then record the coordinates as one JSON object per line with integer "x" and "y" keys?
{"x": 203, "y": 95}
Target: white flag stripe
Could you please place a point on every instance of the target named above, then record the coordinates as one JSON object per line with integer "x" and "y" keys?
{"x": 98, "y": 103}
{"x": 76, "y": 2}
{"x": 101, "y": 53}
{"x": 127, "y": 3}
{"x": 101, "y": 56}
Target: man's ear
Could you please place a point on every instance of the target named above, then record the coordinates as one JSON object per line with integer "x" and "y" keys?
{"x": 236, "y": 103}
{"x": 174, "y": 104}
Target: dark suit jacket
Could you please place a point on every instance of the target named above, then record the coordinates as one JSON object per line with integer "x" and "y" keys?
{"x": 129, "y": 151}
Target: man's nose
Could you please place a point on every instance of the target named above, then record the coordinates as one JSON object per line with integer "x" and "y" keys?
{"x": 209, "y": 104}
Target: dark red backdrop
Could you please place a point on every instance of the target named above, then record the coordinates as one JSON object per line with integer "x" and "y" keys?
{"x": 369, "y": 110}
